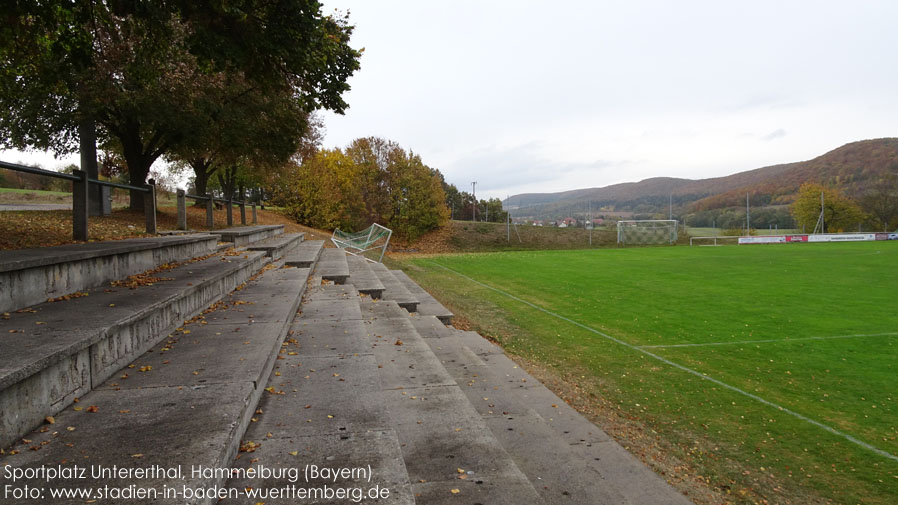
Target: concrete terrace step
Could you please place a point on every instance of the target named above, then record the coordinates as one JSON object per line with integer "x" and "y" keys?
{"x": 573, "y": 460}
{"x": 439, "y": 431}
{"x": 428, "y": 305}
{"x": 279, "y": 245}
{"x": 332, "y": 266}
{"x": 186, "y": 403}
{"x": 306, "y": 253}
{"x": 243, "y": 235}
{"x": 362, "y": 277}
{"x": 323, "y": 407}
{"x": 57, "y": 351}
{"x": 394, "y": 289}
{"x": 29, "y": 276}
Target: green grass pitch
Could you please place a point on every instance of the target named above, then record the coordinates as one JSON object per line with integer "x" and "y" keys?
{"x": 800, "y": 339}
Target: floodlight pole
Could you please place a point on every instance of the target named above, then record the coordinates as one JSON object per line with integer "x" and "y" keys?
{"x": 474, "y": 196}
{"x": 507, "y": 222}
{"x": 589, "y": 220}
{"x": 747, "y": 216}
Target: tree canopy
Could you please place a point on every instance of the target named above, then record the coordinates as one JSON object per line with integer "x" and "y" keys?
{"x": 840, "y": 213}
{"x": 155, "y": 76}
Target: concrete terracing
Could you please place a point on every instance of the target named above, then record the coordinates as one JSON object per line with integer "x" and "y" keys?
{"x": 29, "y": 276}
{"x": 387, "y": 395}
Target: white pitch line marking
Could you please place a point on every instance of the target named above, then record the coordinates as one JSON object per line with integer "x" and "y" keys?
{"x": 830, "y": 429}
{"x": 772, "y": 340}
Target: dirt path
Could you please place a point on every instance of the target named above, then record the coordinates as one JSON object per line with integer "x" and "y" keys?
{"x": 35, "y": 206}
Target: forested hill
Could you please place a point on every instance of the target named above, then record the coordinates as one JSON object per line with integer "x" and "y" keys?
{"x": 852, "y": 168}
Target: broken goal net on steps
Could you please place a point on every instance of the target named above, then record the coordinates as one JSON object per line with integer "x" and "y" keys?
{"x": 358, "y": 243}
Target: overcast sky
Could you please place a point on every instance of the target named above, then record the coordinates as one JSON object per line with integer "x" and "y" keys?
{"x": 525, "y": 96}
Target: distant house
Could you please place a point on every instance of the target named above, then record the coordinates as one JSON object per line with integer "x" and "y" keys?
{"x": 568, "y": 221}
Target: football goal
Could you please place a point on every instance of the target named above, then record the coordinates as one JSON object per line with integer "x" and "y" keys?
{"x": 647, "y": 232}
{"x": 371, "y": 238}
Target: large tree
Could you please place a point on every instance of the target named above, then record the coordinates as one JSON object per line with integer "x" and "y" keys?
{"x": 238, "y": 125}
{"x": 840, "y": 213}
{"x": 881, "y": 200}
{"x": 136, "y": 68}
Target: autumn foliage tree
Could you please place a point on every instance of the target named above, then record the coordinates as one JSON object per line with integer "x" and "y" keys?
{"x": 840, "y": 213}
{"x": 372, "y": 180}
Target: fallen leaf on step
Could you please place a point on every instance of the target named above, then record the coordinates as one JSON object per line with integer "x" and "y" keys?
{"x": 454, "y": 491}
{"x": 50, "y": 420}
{"x": 93, "y": 409}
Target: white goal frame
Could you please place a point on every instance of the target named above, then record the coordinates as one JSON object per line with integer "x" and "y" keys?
{"x": 654, "y": 227}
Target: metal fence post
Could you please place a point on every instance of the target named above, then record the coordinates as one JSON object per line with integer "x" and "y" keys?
{"x": 79, "y": 205}
{"x": 182, "y": 210}
{"x": 254, "y": 214}
{"x": 149, "y": 206}
{"x": 210, "y": 218}
{"x": 230, "y": 213}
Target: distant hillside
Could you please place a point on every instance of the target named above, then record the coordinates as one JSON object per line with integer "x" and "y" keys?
{"x": 851, "y": 168}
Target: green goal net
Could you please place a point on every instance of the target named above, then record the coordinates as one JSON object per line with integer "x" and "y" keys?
{"x": 370, "y": 239}
{"x": 647, "y": 232}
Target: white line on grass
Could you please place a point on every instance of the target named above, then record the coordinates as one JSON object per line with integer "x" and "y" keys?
{"x": 777, "y": 340}
{"x": 700, "y": 375}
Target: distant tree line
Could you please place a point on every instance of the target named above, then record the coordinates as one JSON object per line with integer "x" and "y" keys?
{"x": 463, "y": 207}
{"x": 875, "y": 209}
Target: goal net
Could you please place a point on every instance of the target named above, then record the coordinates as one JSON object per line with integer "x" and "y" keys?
{"x": 647, "y": 232}
{"x": 371, "y": 238}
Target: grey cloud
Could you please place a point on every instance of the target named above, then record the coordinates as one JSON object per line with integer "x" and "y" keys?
{"x": 778, "y": 133}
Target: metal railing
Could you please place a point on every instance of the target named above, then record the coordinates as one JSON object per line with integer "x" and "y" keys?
{"x": 80, "y": 210}
{"x": 210, "y": 207}
{"x": 80, "y": 185}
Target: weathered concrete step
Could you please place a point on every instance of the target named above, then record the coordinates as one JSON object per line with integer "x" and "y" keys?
{"x": 306, "y": 253}
{"x": 572, "y": 459}
{"x": 185, "y": 404}
{"x": 440, "y": 433}
{"x": 428, "y": 305}
{"x": 30, "y": 276}
{"x": 57, "y": 351}
{"x": 362, "y": 277}
{"x": 374, "y": 309}
{"x": 332, "y": 266}
{"x": 319, "y": 291}
{"x": 244, "y": 235}
{"x": 277, "y": 246}
{"x": 323, "y": 407}
{"x": 393, "y": 289}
